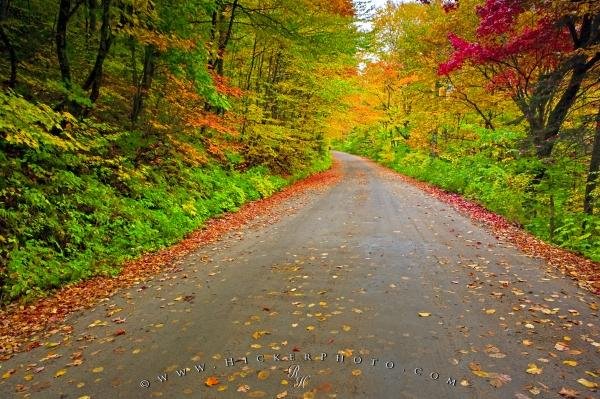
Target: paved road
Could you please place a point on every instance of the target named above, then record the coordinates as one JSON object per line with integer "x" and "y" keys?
{"x": 419, "y": 301}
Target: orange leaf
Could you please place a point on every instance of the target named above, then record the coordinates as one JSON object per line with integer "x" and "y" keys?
{"x": 211, "y": 381}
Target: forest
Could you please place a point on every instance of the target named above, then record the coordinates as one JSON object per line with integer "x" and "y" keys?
{"x": 127, "y": 124}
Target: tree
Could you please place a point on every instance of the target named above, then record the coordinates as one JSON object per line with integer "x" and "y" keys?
{"x": 540, "y": 52}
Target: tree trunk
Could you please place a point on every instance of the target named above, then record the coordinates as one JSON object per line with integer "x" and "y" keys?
{"x": 92, "y": 7}
{"x": 64, "y": 14}
{"x": 592, "y": 179}
{"x": 145, "y": 83}
{"x": 249, "y": 76}
{"x": 224, "y": 36}
{"x": 12, "y": 54}
{"x": 94, "y": 80}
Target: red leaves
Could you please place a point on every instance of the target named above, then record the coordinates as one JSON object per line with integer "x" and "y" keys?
{"x": 501, "y": 36}
{"x": 498, "y": 16}
{"x": 224, "y": 87}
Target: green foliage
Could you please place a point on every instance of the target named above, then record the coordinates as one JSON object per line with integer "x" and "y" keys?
{"x": 72, "y": 206}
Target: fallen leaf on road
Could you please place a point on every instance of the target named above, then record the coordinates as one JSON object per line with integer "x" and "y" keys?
{"x": 424, "y": 314}
{"x": 60, "y": 373}
{"x": 263, "y": 375}
{"x": 211, "y": 381}
{"x": 497, "y": 379}
{"x": 356, "y": 372}
{"x": 561, "y": 346}
{"x": 568, "y": 393}
{"x": 8, "y": 373}
{"x": 259, "y": 334}
{"x": 571, "y": 363}
{"x": 532, "y": 368}
{"x": 490, "y": 311}
{"x": 98, "y": 323}
{"x": 587, "y": 384}
{"x": 243, "y": 388}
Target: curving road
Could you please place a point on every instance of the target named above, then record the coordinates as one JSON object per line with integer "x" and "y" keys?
{"x": 375, "y": 289}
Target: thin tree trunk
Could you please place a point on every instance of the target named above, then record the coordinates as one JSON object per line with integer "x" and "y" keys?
{"x": 64, "y": 14}
{"x": 145, "y": 83}
{"x": 249, "y": 76}
{"x": 592, "y": 179}
{"x": 12, "y": 80}
{"x": 224, "y": 40}
{"x": 92, "y": 7}
{"x": 12, "y": 54}
{"x": 94, "y": 80}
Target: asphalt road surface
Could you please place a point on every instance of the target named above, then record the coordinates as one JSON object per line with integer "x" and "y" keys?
{"x": 369, "y": 289}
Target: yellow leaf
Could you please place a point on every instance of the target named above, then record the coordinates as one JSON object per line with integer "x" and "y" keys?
{"x": 28, "y": 377}
{"x": 587, "y": 384}
{"x": 482, "y": 374}
{"x": 346, "y": 352}
{"x": 60, "y": 373}
{"x": 98, "y": 323}
{"x": 263, "y": 374}
{"x": 356, "y": 372}
{"x": 571, "y": 363}
{"x": 97, "y": 369}
{"x": 490, "y": 311}
{"x": 310, "y": 328}
{"x": 8, "y": 373}
{"x": 346, "y": 328}
{"x": 259, "y": 334}
{"x": 534, "y": 369}
{"x": 424, "y": 314}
